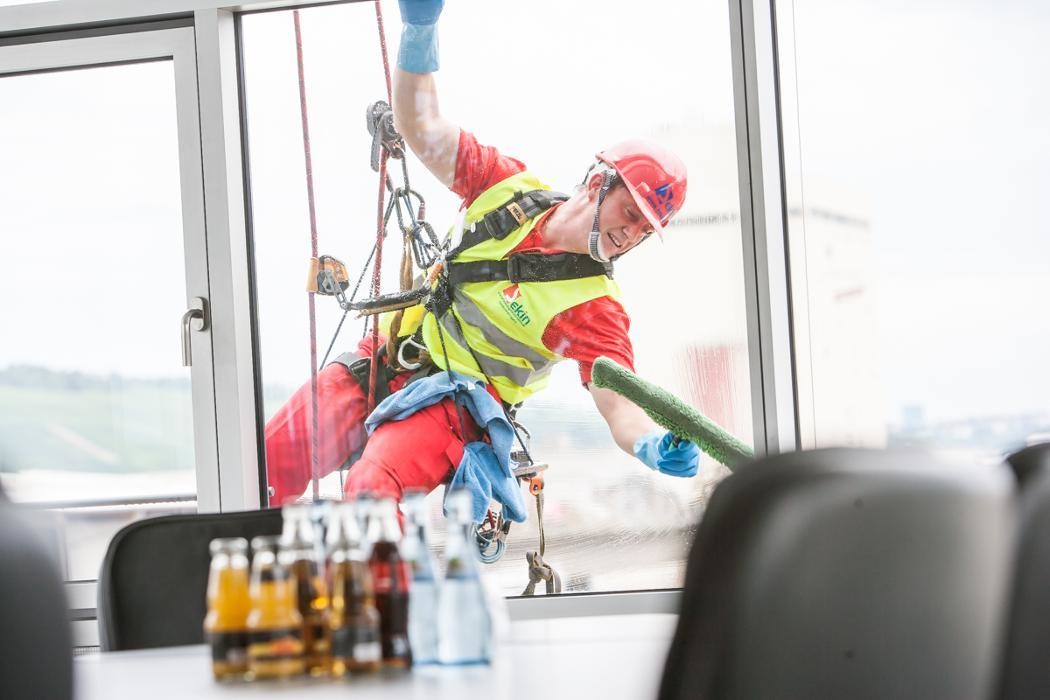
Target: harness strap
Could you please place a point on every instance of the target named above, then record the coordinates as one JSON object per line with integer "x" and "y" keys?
{"x": 500, "y": 222}
{"x": 528, "y": 267}
{"x": 360, "y": 369}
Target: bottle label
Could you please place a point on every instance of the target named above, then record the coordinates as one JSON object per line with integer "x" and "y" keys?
{"x": 273, "y": 645}
{"x": 228, "y": 647}
{"x": 367, "y": 652}
{"x": 357, "y": 642}
{"x": 387, "y": 578}
{"x": 399, "y": 646}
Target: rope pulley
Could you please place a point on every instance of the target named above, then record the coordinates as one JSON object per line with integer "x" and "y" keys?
{"x": 327, "y": 277}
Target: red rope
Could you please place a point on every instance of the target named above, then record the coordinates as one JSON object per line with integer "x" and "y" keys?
{"x": 382, "y": 49}
{"x": 314, "y": 458}
{"x": 377, "y": 269}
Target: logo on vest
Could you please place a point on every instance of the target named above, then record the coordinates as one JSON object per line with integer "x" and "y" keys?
{"x": 509, "y": 301}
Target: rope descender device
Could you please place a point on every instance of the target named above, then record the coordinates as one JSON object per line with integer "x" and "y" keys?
{"x": 328, "y": 276}
{"x": 380, "y": 121}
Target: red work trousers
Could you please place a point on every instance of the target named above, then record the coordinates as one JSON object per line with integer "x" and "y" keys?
{"x": 420, "y": 451}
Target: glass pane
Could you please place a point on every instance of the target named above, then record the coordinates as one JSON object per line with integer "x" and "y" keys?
{"x": 95, "y": 403}
{"x": 920, "y": 152}
{"x": 610, "y": 523}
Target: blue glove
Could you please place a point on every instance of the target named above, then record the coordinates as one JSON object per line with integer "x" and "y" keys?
{"x": 657, "y": 452}
{"x": 421, "y": 11}
{"x": 419, "y": 41}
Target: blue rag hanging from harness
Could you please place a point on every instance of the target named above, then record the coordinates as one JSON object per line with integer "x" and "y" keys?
{"x": 485, "y": 468}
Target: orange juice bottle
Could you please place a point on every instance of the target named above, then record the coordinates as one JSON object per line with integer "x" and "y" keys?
{"x": 225, "y": 625}
{"x": 275, "y": 627}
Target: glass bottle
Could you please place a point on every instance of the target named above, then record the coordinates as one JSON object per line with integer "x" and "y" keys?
{"x": 391, "y": 578}
{"x": 364, "y": 503}
{"x": 353, "y": 619}
{"x": 226, "y": 624}
{"x": 275, "y": 627}
{"x": 423, "y": 593}
{"x": 300, "y": 544}
{"x": 464, "y": 618}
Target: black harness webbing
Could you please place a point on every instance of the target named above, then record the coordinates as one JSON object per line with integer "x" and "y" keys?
{"x": 528, "y": 267}
{"x": 360, "y": 369}
{"x": 499, "y": 222}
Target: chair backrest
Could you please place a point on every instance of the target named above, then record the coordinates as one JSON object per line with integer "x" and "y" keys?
{"x": 1026, "y": 656}
{"x": 846, "y": 573}
{"x": 36, "y": 648}
{"x": 154, "y": 579}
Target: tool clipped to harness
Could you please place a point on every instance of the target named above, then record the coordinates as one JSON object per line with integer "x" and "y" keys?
{"x": 389, "y": 302}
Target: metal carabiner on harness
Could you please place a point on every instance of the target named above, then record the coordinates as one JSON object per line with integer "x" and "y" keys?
{"x": 404, "y": 361}
{"x": 491, "y": 537}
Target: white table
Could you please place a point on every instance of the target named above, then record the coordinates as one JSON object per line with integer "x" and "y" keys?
{"x": 608, "y": 657}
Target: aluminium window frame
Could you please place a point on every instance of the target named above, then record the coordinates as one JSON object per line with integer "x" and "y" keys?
{"x": 238, "y": 411}
{"x": 59, "y": 52}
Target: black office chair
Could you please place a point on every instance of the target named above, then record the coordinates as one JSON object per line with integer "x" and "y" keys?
{"x": 846, "y": 573}
{"x": 151, "y": 592}
{"x": 1026, "y": 665}
{"x": 36, "y": 647}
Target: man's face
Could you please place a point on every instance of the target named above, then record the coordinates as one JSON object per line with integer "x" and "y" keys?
{"x": 621, "y": 223}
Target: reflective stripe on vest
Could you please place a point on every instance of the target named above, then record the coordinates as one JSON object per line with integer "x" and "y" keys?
{"x": 493, "y": 367}
{"x": 504, "y": 322}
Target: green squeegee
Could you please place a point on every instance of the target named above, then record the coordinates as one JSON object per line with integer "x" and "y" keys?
{"x": 671, "y": 412}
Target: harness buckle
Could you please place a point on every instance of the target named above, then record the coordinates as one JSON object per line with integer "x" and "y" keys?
{"x": 514, "y": 271}
{"x": 517, "y": 212}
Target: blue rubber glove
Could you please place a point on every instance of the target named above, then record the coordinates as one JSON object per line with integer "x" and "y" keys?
{"x": 421, "y": 11}
{"x": 657, "y": 452}
{"x": 419, "y": 41}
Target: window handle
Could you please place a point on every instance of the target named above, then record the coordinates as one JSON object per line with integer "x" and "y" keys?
{"x": 197, "y": 317}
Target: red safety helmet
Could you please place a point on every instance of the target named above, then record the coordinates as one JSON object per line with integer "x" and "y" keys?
{"x": 654, "y": 176}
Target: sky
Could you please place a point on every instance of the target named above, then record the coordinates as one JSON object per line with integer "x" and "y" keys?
{"x": 932, "y": 116}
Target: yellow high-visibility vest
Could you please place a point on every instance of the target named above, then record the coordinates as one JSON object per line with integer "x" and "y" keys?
{"x": 504, "y": 322}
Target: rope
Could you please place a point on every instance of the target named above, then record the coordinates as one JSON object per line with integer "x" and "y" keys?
{"x": 377, "y": 249}
{"x": 382, "y": 49}
{"x": 314, "y": 457}
{"x": 380, "y": 219}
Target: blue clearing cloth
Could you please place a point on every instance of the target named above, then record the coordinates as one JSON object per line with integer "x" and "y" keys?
{"x": 485, "y": 469}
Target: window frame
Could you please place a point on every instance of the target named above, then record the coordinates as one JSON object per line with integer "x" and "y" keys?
{"x": 64, "y": 52}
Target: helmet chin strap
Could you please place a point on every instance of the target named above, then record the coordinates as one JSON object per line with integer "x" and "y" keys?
{"x": 592, "y": 241}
